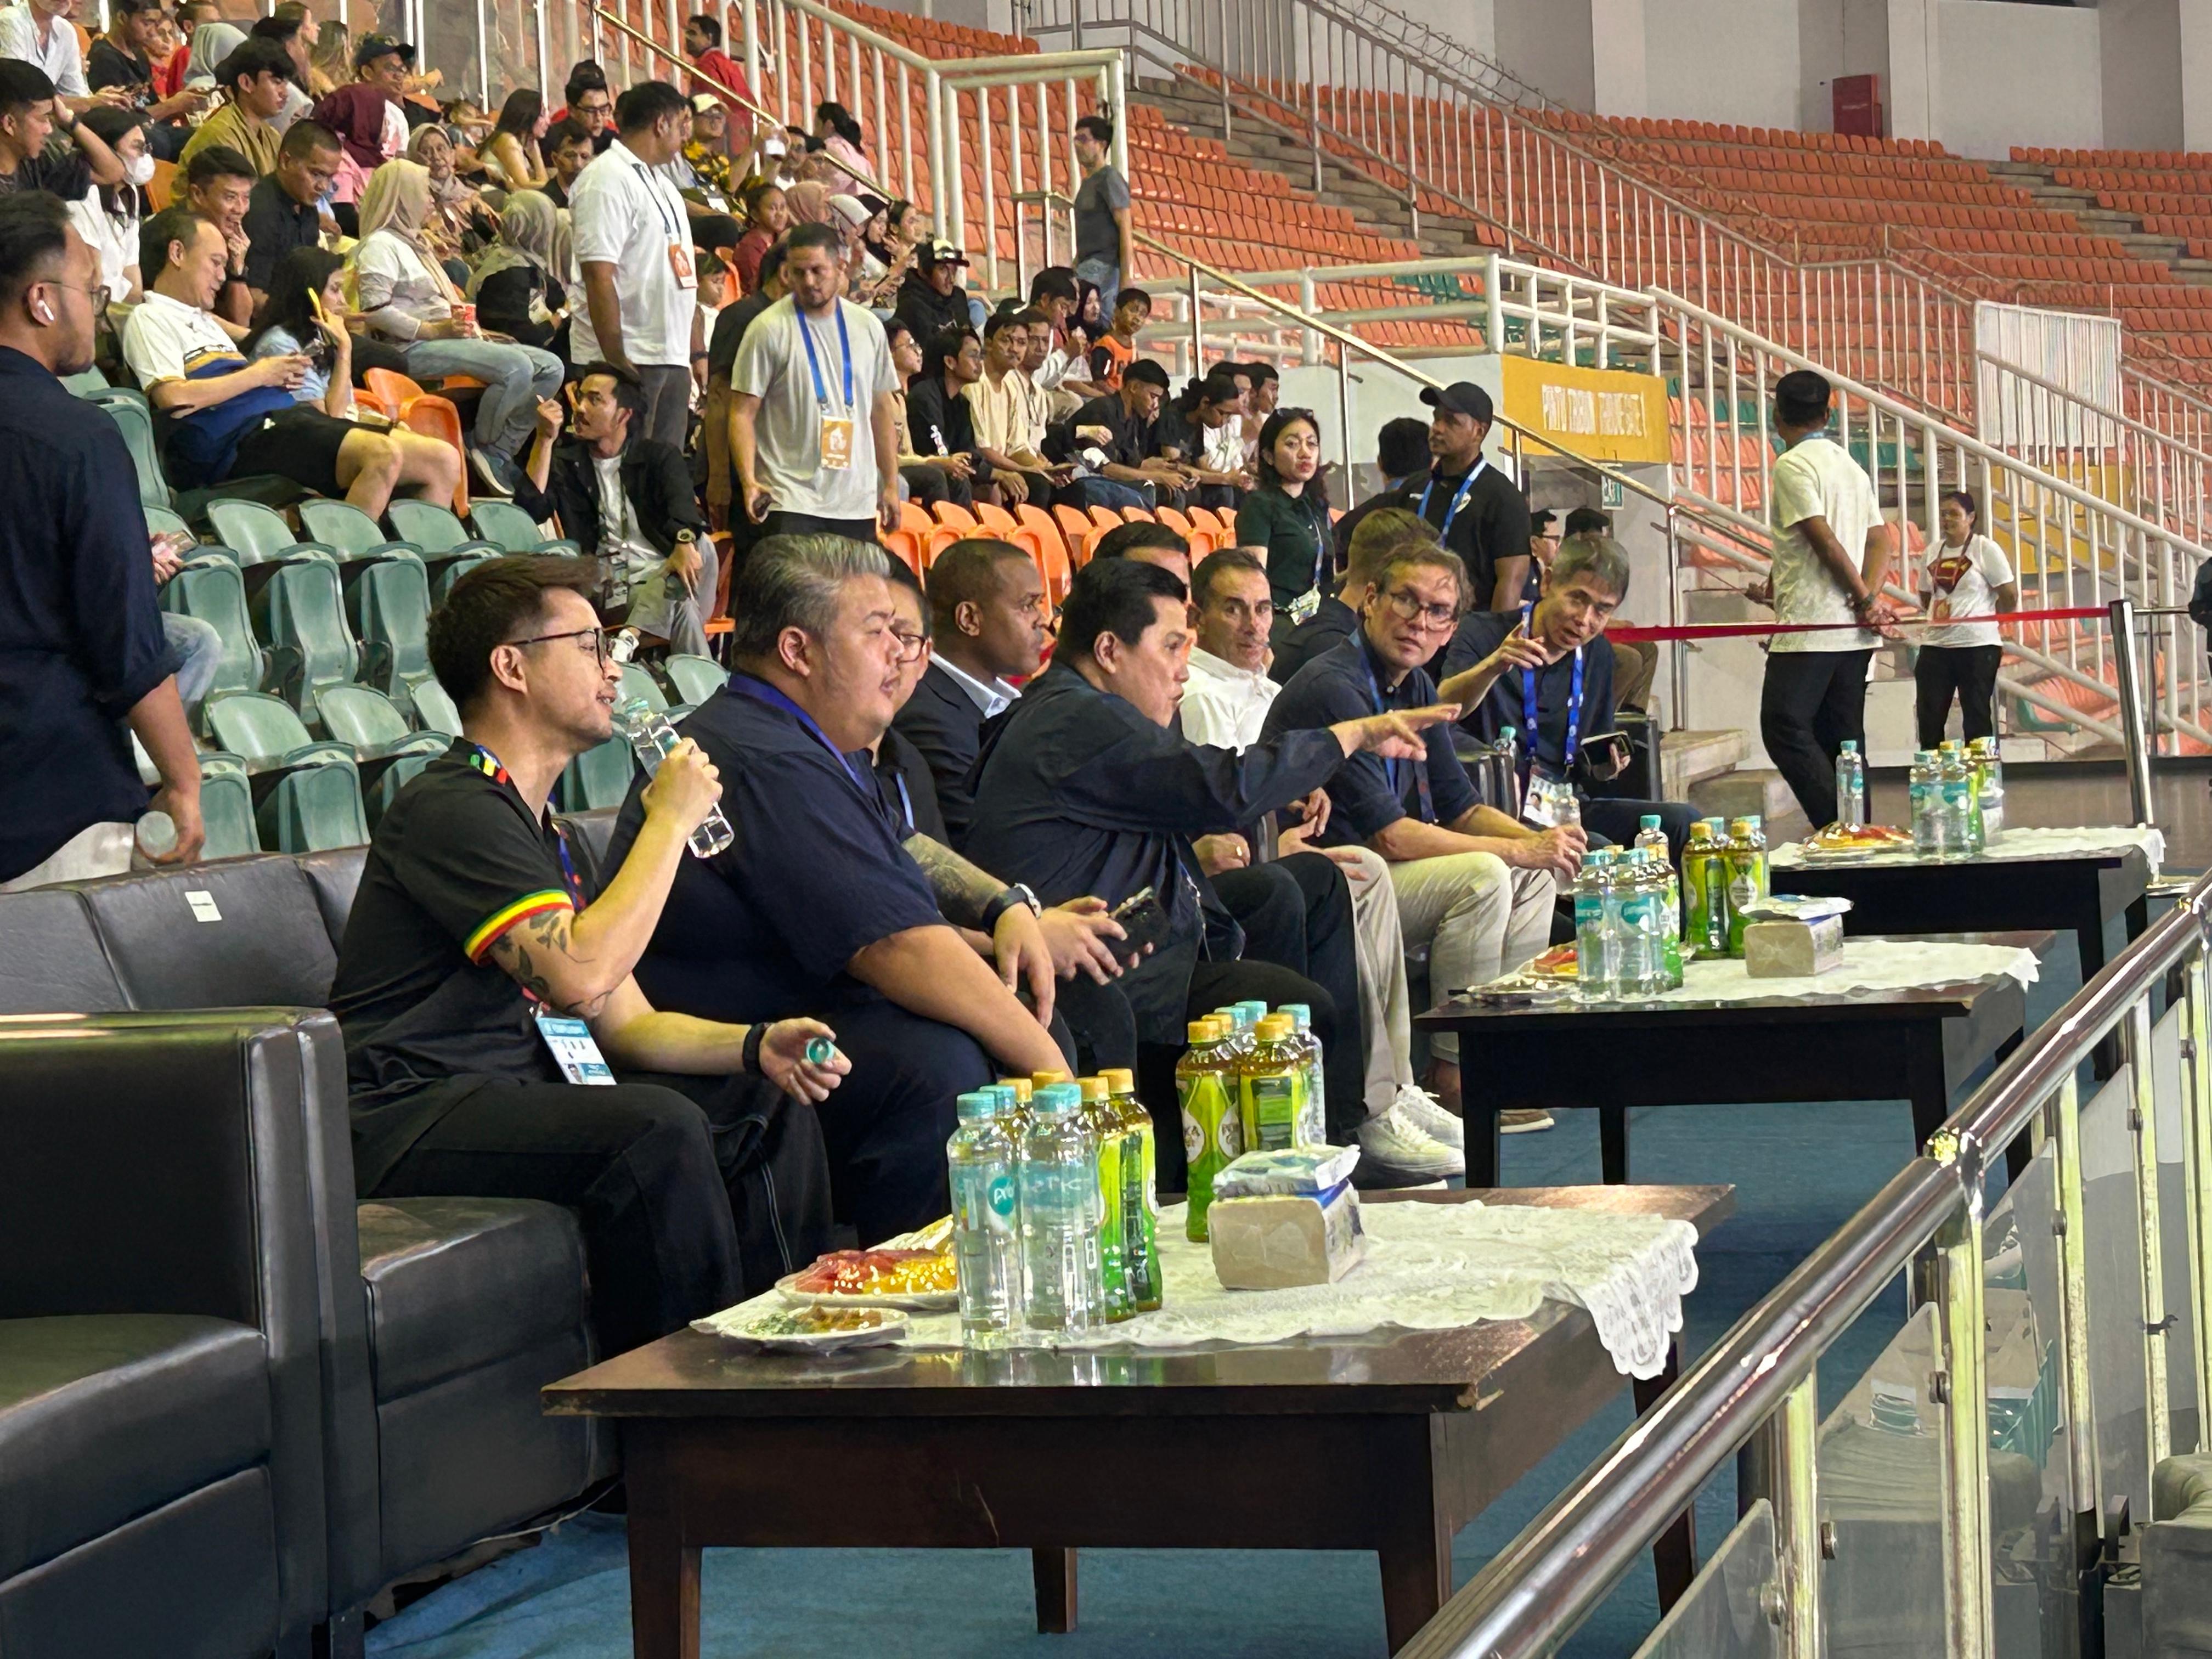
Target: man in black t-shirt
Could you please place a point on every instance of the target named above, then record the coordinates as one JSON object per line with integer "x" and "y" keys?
{"x": 481, "y": 967}
{"x": 1477, "y": 509}
{"x": 30, "y": 114}
{"x": 124, "y": 58}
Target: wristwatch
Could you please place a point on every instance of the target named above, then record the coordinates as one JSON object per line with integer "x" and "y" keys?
{"x": 1017, "y": 894}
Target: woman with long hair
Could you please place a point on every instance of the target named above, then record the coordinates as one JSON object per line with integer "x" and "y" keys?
{"x": 1966, "y": 579}
{"x": 516, "y": 285}
{"x": 1288, "y": 514}
{"x": 288, "y": 324}
{"x": 108, "y": 216}
{"x": 841, "y": 139}
{"x": 513, "y": 158}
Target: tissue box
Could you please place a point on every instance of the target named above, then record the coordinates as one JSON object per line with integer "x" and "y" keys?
{"x": 1276, "y": 1242}
{"x": 1792, "y": 950}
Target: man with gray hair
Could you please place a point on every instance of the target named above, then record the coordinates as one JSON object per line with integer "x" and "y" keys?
{"x": 825, "y": 901}
{"x": 1547, "y": 669}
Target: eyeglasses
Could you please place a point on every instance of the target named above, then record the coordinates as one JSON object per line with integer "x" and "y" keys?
{"x": 595, "y": 640}
{"x": 1408, "y": 607}
{"x": 97, "y": 290}
{"x": 910, "y": 645}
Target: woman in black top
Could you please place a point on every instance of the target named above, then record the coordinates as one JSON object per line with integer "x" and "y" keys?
{"x": 515, "y": 289}
{"x": 1288, "y": 514}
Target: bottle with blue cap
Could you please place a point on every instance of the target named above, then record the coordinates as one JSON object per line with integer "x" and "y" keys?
{"x": 1313, "y": 1125}
{"x": 1063, "y": 1287}
{"x": 985, "y": 1223}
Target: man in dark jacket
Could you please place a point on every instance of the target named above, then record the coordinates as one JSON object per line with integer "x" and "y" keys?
{"x": 930, "y": 298}
{"x": 627, "y": 500}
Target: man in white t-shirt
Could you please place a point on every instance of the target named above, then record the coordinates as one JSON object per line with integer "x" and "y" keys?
{"x": 633, "y": 243}
{"x": 40, "y": 32}
{"x": 813, "y": 406}
{"x": 1831, "y": 549}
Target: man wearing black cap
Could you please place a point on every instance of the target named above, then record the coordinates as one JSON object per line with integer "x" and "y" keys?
{"x": 1477, "y": 510}
{"x": 930, "y": 298}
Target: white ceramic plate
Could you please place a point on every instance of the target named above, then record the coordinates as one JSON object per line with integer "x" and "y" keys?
{"x": 919, "y": 1302}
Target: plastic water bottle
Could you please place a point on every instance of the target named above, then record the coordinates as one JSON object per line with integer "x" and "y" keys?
{"x": 1597, "y": 929}
{"x": 985, "y": 1223}
{"x": 1643, "y": 926}
{"x": 1962, "y": 806}
{"x": 1925, "y": 784}
{"x": 157, "y": 834}
{"x": 1989, "y": 778}
{"x": 1651, "y": 838}
{"x": 651, "y": 736}
{"x": 1313, "y": 1126}
{"x": 1508, "y": 747}
{"x": 1061, "y": 1278}
{"x": 1850, "y": 786}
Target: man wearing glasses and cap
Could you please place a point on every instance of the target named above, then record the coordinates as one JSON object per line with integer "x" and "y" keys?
{"x": 1477, "y": 510}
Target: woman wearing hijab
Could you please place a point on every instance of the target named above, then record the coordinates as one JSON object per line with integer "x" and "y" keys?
{"x": 809, "y": 203}
{"x": 456, "y": 211}
{"x": 515, "y": 285}
{"x": 404, "y": 295}
{"x": 211, "y": 44}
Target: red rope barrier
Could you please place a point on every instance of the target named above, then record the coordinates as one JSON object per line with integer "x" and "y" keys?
{"x": 1756, "y": 630}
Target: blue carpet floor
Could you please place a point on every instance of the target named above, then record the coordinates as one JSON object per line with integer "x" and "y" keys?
{"x": 1799, "y": 1171}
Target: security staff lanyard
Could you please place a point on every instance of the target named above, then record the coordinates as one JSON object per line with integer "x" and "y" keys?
{"x": 1428, "y": 805}
{"x": 746, "y": 685}
{"x": 836, "y": 429}
{"x": 1458, "y": 500}
{"x": 680, "y": 248}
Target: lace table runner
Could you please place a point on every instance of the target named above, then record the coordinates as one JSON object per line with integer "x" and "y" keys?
{"x": 1426, "y": 1267}
{"x": 1868, "y": 964}
{"x": 2022, "y": 843}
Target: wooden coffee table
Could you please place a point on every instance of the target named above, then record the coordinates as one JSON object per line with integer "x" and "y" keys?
{"x": 1389, "y": 1444}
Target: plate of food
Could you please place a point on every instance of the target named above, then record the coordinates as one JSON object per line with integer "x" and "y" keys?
{"x": 810, "y": 1329}
{"x": 922, "y": 1281}
{"x": 1558, "y": 962}
{"x": 1838, "y": 838}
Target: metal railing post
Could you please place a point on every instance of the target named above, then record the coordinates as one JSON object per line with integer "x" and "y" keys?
{"x": 1795, "y": 1474}
{"x": 2062, "y": 1116}
{"x": 2122, "y": 630}
{"x": 1493, "y": 321}
{"x": 1344, "y": 424}
{"x": 1966, "y": 1542}
{"x": 2197, "y": 1172}
{"x": 1197, "y": 332}
{"x": 2142, "y": 1125}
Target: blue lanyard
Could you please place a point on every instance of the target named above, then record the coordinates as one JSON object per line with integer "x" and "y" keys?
{"x": 1459, "y": 501}
{"x": 489, "y": 763}
{"x": 746, "y": 685}
{"x": 906, "y": 800}
{"x": 844, "y": 340}
{"x": 1428, "y": 806}
{"x": 1528, "y": 706}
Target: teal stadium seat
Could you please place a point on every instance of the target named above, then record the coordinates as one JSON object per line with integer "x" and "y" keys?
{"x": 389, "y": 600}
{"x": 596, "y": 778}
{"x": 212, "y": 589}
{"x": 452, "y": 570}
{"x": 349, "y": 532}
{"x": 135, "y": 417}
{"x": 507, "y": 525}
{"x": 300, "y": 611}
{"x": 638, "y": 682}
{"x": 434, "y": 710}
{"x": 389, "y": 752}
{"x": 434, "y": 529}
{"x": 696, "y": 679}
{"x": 307, "y": 795}
{"x": 226, "y": 808}
{"x": 258, "y": 534}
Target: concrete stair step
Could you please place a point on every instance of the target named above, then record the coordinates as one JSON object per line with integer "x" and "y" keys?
{"x": 1747, "y": 790}
{"x": 1686, "y": 758}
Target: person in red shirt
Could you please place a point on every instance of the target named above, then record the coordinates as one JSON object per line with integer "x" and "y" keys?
{"x": 702, "y": 40}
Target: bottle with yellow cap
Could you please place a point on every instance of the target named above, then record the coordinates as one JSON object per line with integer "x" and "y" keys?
{"x": 1213, "y": 1133}
{"x": 1140, "y": 1203}
{"x": 1018, "y": 1116}
{"x": 1105, "y": 1126}
{"x": 1271, "y": 1085}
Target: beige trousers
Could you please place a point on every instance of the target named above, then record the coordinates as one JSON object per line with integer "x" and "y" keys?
{"x": 1480, "y": 918}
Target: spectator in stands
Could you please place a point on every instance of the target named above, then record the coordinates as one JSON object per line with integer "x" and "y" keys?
{"x": 856, "y": 918}
{"x": 702, "y": 45}
{"x": 108, "y": 217}
{"x": 1543, "y": 536}
{"x": 929, "y": 478}
{"x": 940, "y": 421}
{"x": 219, "y": 184}
{"x": 718, "y": 442}
{"x": 473, "y": 928}
{"x": 1831, "y": 552}
{"x": 567, "y": 150}
{"x": 39, "y": 32}
{"x": 628, "y": 499}
{"x": 284, "y": 210}
{"x": 229, "y": 418}
{"x": 842, "y": 144}
{"x": 1009, "y": 413}
{"x": 512, "y": 160}
{"x": 811, "y": 410}
{"x": 1130, "y": 416}
{"x": 1288, "y": 515}
{"x": 285, "y": 30}
{"x": 329, "y": 59}
{"x": 1063, "y": 376}
{"x": 30, "y": 114}
{"x": 1968, "y": 578}
{"x": 766, "y": 218}
{"x": 706, "y": 158}
{"x": 1114, "y": 350}
{"x": 85, "y": 655}
{"x": 123, "y": 60}
{"x": 1547, "y": 672}
{"x": 1085, "y": 787}
{"x": 1479, "y": 512}
{"x": 1634, "y": 661}
{"x": 930, "y": 299}
{"x": 990, "y": 620}
{"x": 405, "y": 294}
{"x": 1263, "y": 387}
{"x": 366, "y": 111}
{"x": 588, "y": 101}
{"x": 1472, "y": 885}
{"x": 1202, "y": 431}
{"x": 634, "y": 244}
{"x": 1336, "y": 618}
{"x": 1102, "y": 233}
{"x": 1146, "y": 543}
{"x": 253, "y": 80}
{"x": 1401, "y": 453}
{"x": 516, "y": 289}
{"x": 305, "y": 277}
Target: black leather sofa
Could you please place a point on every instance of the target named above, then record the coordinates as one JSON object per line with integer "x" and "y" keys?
{"x": 434, "y": 1321}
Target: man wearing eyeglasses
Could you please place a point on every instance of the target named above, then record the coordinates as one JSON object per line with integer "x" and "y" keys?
{"x": 627, "y": 499}
{"x": 1474, "y": 886}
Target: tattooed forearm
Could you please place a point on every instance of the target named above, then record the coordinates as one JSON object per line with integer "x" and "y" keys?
{"x": 964, "y": 892}
{"x": 549, "y": 931}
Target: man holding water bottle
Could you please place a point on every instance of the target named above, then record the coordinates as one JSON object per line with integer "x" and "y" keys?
{"x": 485, "y": 975}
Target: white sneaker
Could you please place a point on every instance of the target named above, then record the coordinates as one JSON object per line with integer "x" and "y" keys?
{"x": 1419, "y": 1107}
{"x": 1392, "y": 1137}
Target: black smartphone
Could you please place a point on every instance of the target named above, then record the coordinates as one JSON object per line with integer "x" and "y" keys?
{"x": 1606, "y": 754}
{"x": 1143, "y": 922}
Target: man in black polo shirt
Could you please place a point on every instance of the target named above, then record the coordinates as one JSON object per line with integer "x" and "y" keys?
{"x": 481, "y": 967}
{"x": 284, "y": 211}
{"x": 1547, "y": 671}
{"x": 1131, "y": 416}
{"x": 826, "y": 902}
{"x": 1472, "y": 885}
{"x": 1087, "y": 787}
{"x": 1477, "y": 510}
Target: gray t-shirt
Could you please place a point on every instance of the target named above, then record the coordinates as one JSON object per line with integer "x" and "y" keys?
{"x": 1102, "y": 195}
{"x": 773, "y": 365}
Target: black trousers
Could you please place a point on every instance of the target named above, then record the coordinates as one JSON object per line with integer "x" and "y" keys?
{"x": 1099, "y": 1022}
{"x": 656, "y": 1185}
{"x": 1613, "y": 821}
{"x": 1297, "y": 912}
{"x": 1969, "y": 670}
{"x": 929, "y": 485}
{"x": 779, "y": 523}
{"x": 1214, "y": 985}
{"x": 1812, "y": 701}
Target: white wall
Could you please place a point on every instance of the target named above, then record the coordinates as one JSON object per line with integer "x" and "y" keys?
{"x": 2141, "y": 47}
{"x": 1547, "y": 42}
{"x": 2017, "y": 74}
{"x": 1723, "y": 60}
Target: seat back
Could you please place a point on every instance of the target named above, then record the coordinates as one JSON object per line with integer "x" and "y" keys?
{"x": 434, "y": 710}
{"x": 392, "y": 607}
{"x": 244, "y": 932}
{"x": 136, "y": 420}
{"x": 638, "y": 683}
{"x": 262, "y": 728}
{"x": 54, "y": 962}
{"x": 314, "y": 809}
{"x": 302, "y": 612}
{"x": 431, "y": 527}
{"x": 506, "y": 525}
{"x": 434, "y": 416}
{"x": 392, "y": 391}
{"x": 342, "y": 524}
{"x": 696, "y": 679}
{"x": 335, "y": 877}
{"x": 366, "y": 720}
{"x": 256, "y": 533}
{"x": 214, "y": 591}
{"x": 596, "y": 779}
{"x": 227, "y": 811}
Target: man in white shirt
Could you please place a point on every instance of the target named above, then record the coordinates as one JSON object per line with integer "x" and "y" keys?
{"x": 633, "y": 245}
{"x": 1009, "y": 411}
{"x": 813, "y": 406}
{"x": 1831, "y": 549}
{"x": 1225, "y": 704}
{"x": 40, "y": 32}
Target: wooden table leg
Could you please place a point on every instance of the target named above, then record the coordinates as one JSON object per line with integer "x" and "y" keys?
{"x": 1416, "y": 1579}
{"x": 1055, "y": 1572}
{"x": 1479, "y": 1123}
{"x": 1612, "y": 1144}
{"x": 664, "y": 1590}
{"x": 1674, "y": 1552}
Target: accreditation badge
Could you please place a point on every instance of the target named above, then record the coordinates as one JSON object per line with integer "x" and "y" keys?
{"x": 1548, "y": 801}
{"x": 679, "y": 263}
{"x": 837, "y": 442}
{"x": 1303, "y": 606}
